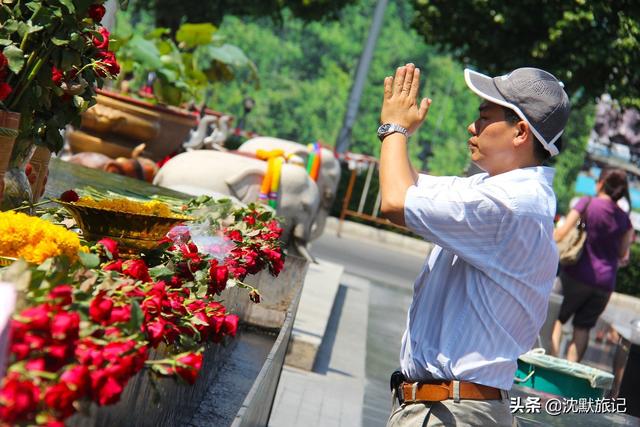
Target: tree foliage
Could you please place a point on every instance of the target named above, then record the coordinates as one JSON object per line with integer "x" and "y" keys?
{"x": 593, "y": 46}
{"x": 172, "y": 13}
{"x": 306, "y": 71}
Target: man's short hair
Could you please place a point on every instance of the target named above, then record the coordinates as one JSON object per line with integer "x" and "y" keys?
{"x": 540, "y": 153}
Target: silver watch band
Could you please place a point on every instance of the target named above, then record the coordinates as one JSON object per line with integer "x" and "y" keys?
{"x": 390, "y": 128}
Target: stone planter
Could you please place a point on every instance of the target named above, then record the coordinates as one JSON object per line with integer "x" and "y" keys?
{"x": 244, "y": 385}
{"x": 117, "y": 124}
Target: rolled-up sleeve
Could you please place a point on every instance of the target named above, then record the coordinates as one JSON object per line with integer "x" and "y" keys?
{"x": 458, "y": 216}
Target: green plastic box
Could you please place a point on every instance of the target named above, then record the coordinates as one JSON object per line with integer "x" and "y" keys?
{"x": 560, "y": 377}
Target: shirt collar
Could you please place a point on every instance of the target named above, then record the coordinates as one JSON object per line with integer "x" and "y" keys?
{"x": 539, "y": 173}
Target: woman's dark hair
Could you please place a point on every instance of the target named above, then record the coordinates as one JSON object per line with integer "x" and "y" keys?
{"x": 614, "y": 183}
{"x": 541, "y": 153}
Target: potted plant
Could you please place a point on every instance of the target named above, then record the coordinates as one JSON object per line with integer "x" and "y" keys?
{"x": 160, "y": 74}
{"x": 56, "y": 55}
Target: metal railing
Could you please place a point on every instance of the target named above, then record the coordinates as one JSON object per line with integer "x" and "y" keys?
{"x": 358, "y": 163}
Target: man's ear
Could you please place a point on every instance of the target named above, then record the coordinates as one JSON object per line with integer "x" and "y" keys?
{"x": 523, "y": 133}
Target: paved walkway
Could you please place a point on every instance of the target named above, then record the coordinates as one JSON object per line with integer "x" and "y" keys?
{"x": 332, "y": 394}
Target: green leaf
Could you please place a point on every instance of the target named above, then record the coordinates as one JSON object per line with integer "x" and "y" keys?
{"x": 10, "y": 26}
{"x": 69, "y": 5}
{"x": 157, "y": 33}
{"x": 59, "y": 42}
{"x": 136, "y": 316}
{"x": 69, "y": 59}
{"x": 89, "y": 260}
{"x": 197, "y": 321}
{"x": 226, "y": 54}
{"x": 5, "y": 42}
{"x": 144, "y": 52}
{"x": 160, "y": 271}
{"x": 193, "y": 35}
{"x": 15, "y": 57}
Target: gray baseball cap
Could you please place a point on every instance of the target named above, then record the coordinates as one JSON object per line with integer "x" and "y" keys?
{"x": 535, "y": 95}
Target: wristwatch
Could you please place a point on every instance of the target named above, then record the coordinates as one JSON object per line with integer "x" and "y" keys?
{"x": 389, "y": 128}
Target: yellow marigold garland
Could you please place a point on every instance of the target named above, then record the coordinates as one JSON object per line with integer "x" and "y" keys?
{"x": 35, "y": 239}
{"x": 153, "y": 207}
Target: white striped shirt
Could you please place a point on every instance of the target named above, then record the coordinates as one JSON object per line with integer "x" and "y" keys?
{"x": 482, "y": 295}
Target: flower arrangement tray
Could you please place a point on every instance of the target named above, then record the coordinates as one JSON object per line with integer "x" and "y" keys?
{"x": 133, "y": 230}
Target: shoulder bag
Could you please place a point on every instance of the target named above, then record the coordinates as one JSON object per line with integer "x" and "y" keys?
{"x": 571, "y": 246}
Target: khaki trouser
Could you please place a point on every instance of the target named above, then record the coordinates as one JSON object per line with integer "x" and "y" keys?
{"x": 475, "y": 413}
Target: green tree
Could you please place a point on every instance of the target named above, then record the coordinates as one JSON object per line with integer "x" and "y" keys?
{"x": 591, "y": 45}
{"x": 172, "y": 13}
{"x": 306, "y": 71}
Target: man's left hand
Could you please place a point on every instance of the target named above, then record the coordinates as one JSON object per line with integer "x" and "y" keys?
{"x": 400, "y": 99}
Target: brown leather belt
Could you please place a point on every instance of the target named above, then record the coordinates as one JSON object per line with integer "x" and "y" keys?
{"x": 436, "y": 391}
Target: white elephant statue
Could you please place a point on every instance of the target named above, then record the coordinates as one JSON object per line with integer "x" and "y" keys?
{"x": 328, "y": 178}
{"x": 241, "y": 176}
{"x": 197, "y": 136}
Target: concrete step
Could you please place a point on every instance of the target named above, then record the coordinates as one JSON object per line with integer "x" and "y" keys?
{"x": 317, "y": 299}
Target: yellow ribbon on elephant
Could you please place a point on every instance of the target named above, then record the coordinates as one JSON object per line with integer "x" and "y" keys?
{"x": 271, "y": 181}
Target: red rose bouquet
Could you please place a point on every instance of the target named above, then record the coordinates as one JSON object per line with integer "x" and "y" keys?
{"x": 53, "y": 56}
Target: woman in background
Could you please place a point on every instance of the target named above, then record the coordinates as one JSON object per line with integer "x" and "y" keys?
{"x": 588, "y": 284}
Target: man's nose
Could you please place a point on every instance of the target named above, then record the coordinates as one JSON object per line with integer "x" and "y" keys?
{"x": 472, "y": 128}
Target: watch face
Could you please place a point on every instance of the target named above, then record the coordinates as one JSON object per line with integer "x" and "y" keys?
{"x": 384, "y": 128}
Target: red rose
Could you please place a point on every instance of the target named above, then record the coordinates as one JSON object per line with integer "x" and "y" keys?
{"x": 35, "y": 342}
{"x": 136, "y": 269}
{"x": 56, "y": 76}
{"x": 19, "y": 350}
{"x": 38, "y": 364}
{"x": 120, "y": 314}
{"x": 113, "y": 266}
{"x": 250, "y": 259}
{"x": 109, "y": 64}
{"x": 77, "y": 378}
{"x": 109, "y": 245}
{"x": 5, "y": 91}
{"x": 218, "y": 276}
{"x": 274, "y": 226}
{"x": 249, "y": 219}
{"x": 188, "y": 366}
{"x": 62, "y": 294}
{"x": 38, "y": 316}
{"x": 57, "y": 355}
{"x": 276, "y": 260}
{"x": 235, "y": 235}
{"x": 113, "y": 351}
{"x": 230, "y": 325}
{"x": 96, "y": 12}
{"x": 60, "y": 398}
{"x": 156, "y": 331}
{"x": 238, "y": 272}
{"x": 102, "y": 40}
{"x": 69, "y": 196}
{"x": 20, "y": 399}
{"x": 3, "y": 61}
{"x": 64, "y": 326}
{"x": 105, "y": 388}
{"x": 100, "y": 308}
